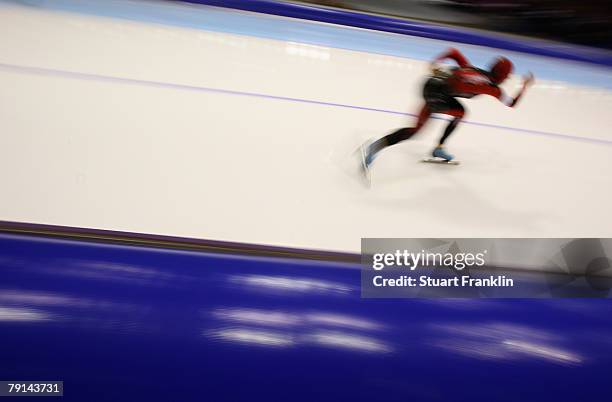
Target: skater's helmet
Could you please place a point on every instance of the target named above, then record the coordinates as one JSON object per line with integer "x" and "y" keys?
{"x": 501, "y": 69}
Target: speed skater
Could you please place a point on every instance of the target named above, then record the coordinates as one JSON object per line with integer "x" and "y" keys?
{"x": 440, "y": 93}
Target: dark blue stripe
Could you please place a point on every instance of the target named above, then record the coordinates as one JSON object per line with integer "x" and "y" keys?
{"x": 120, "y": 323}
{"x": 405, "y": 27}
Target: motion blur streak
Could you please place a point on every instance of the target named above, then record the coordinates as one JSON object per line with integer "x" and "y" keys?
{"x": 21, "y": 314}
{"x": 253, "y": 336}
{"x": 289, "y": 285}
{"x": 340, "y": 320}
{"x": 543, "y": 351}
{"x": 505, "y": 341}
{"x": 343, "y": 340}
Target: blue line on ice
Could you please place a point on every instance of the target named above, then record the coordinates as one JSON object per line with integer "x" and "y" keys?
{"x": 170, "y": 85}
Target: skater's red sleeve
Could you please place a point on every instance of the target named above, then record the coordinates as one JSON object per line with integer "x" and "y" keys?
{"x": 471, "y": 83}
{"x": 455, "y": 55}
{"x": 483, "y": 88}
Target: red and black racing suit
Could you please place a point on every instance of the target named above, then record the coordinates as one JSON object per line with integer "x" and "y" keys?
{"x": 440, "y": 94}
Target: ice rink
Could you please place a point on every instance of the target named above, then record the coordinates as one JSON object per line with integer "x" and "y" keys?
{"x": 113, "y": 122}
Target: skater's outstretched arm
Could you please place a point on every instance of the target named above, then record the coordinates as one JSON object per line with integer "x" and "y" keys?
{"x": 452, "y": 54}
{"x": 482, "y": 88}
{"x": 527, "y": 81}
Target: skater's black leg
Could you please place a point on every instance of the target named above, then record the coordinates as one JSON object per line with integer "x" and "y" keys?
{"x": 400, "y": 135}
{"x": 391, "y": 139}
{"x": 457, "y": 111}
{"x": 449, "y": 129}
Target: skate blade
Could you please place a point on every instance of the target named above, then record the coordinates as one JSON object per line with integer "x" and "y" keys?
{"x": 365, "y": 170}
{"x": 440, "y": 161}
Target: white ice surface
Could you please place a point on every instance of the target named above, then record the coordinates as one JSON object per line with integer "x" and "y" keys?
{"x": 113, "y": 130}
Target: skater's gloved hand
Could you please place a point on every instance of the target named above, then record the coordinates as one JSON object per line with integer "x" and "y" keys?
{"x": 528, "y": 79}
